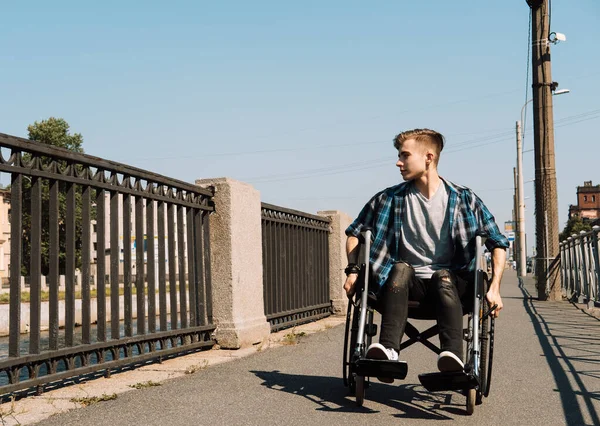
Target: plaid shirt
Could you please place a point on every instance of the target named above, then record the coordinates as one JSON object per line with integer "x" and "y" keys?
{"x": 468, "y": 218}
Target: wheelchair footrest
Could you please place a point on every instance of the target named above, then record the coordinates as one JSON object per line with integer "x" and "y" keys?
{"x": 459, "y": 380}
{"x": 381, "y": 368}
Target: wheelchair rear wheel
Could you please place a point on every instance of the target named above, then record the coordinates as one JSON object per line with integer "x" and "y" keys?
{"x": 349, "y": 346}
{"x": 485, "y": 331}
{"x": 484, "y": 338}
{"x": 356, "y": 384}
{"x": 350, "y": 355}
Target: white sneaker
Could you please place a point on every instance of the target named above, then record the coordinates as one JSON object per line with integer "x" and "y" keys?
{"x": 378, "y": 351}
{"x": 448, "y": 362}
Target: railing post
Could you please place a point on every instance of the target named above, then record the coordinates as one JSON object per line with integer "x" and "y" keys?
{"x": 236, "y": 264}
{"x": 337, "y": 258}
{"x": 571, "y": 287}
{"x": 563, "y": 266}
{"x": 585, "y": 269}
{"x": 596, "y": 262}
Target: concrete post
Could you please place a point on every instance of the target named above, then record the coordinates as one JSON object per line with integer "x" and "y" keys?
{"x": 338, "y": 259}
{"x": 236, "y": 264}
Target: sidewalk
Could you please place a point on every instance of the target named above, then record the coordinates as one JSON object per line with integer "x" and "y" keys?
{"x": 569, "y": 336}
{"x": 35, "y": 409}
{"x": 545, "y": 373}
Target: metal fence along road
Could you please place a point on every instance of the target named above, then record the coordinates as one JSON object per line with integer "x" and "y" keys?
{"x": 295, "y": 266}
{"x": 580, "y": 266}
{"x": 71, "y": 211}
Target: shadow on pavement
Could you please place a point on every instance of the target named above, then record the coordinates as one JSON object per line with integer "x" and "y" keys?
{"x": 329, "y": 394}
{"x": 571, "y": 345}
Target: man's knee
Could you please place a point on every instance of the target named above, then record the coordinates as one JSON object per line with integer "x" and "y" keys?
{"x": 442, "y": 277}
{"x": 400, "y": 277}
{"x": 443, "y": 283}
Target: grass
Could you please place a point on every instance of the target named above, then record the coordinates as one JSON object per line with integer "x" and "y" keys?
{"x": 10, "y": 412}
{"x": 45, "y": 295}
{"x": 292, "y": 338}
{"x": 147, "y": 384}
{"x": 89, "y": 400}
{"x": 196, "y": 367}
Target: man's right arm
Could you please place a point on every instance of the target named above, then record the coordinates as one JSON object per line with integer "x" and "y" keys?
{"x": 366, "y": 217}
{"x": 352, "y": 250}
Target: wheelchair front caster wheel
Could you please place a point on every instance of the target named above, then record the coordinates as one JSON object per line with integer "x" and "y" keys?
{"x": 360, "y": 390}
{"x": 471, "y": 397}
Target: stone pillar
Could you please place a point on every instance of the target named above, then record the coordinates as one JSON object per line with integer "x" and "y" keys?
{"x": 236, "y": 264}
{"x": 338, "y": 259}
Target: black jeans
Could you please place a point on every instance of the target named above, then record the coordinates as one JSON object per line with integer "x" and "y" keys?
{"x": 446, "y": 293}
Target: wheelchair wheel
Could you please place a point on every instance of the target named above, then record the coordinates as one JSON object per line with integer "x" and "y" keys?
{"x": 490, "y": 358}
{"x": 359, "y": 391}
{"x": 352, "y": 317}
{"x": 471, "y": 401}
{"x": 346, "y": 357}
{"x": 487, "y": 351}
{"x": 483, "y": 358}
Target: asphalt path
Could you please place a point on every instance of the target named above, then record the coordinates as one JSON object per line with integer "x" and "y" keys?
{"x": 544, "y": 373}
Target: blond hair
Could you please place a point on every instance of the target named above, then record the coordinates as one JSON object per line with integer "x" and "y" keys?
{"x": 427, "y": 137}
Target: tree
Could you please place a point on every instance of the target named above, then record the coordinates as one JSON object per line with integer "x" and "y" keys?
{"x": 55, "y": 132}
{"x": 574, "y": 226}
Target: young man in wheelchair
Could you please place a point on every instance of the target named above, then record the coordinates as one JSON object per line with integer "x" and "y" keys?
{"x": 423, "y": 249}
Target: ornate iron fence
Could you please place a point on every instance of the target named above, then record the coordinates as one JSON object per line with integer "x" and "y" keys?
{"x": 580, "y": 266}
{"x": 69, "y": 199}
{"x": 295, "y": 266}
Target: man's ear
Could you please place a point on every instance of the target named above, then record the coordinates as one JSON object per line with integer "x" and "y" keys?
{"x": 430, "y": 156}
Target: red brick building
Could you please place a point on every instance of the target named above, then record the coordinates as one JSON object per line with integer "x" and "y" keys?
{"x": 588, "y": 202}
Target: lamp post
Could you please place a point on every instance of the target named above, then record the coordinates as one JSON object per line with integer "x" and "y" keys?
{"x": 522, "y": 254}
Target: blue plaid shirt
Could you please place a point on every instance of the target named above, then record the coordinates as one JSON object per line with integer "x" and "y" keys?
{"x": 467, "y": 214}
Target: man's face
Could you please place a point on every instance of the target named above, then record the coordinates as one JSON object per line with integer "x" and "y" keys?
{"x": 412, "y": 159}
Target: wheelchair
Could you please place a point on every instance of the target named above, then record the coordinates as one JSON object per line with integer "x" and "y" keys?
{"x": 474, "y": 381}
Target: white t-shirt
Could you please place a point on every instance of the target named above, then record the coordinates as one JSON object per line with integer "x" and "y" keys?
{"x": 426, "y": 242}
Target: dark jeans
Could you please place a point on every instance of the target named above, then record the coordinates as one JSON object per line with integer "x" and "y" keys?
{"x": 446, "y": 293}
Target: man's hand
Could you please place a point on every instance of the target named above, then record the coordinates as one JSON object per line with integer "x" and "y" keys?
{"x": 493, "y": 298}
{"x": 349, "y": 285}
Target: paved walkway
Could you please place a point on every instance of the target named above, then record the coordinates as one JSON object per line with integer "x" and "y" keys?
{"x": 545, "y": 373}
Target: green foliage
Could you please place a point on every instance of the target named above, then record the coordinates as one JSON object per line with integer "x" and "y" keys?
{"x": 55, "y": 132}
{"x": 574, "y": 226}
{"x": 147, "y": 384}
{"x": 89, "y": 400}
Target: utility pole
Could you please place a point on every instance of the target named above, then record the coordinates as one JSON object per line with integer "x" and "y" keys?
{"x": 515, "y": 221}
{"x": 522, "y": 254}
{"x": 545, "y": 172}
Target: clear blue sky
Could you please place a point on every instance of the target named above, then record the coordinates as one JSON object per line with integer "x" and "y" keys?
{"x": 302, "y": 99}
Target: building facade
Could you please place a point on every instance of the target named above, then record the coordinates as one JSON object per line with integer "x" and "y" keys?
{"x": 588, "y": 202}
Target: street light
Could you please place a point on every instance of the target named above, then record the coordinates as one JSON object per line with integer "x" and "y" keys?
{"x": 522, "y": 255}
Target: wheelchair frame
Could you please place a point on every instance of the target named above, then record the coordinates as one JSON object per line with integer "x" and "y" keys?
{"x": 474, "y": 381}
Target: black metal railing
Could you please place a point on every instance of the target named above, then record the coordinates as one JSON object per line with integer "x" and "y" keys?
{"x": 580, "y": 266}
{"x": 295, "y": 266}
{"x": 65, "y": 196}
